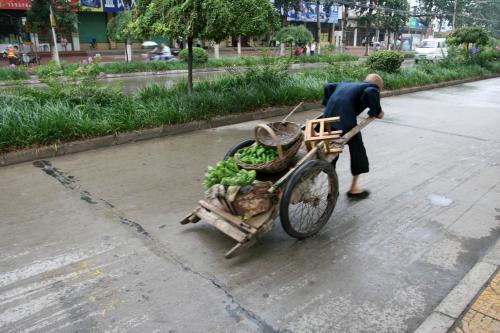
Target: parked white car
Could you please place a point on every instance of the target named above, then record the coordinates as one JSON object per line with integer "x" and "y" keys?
{"x": 432, "y": 49}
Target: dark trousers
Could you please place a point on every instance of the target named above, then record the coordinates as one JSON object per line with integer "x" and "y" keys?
{"x": 359, "y": 159}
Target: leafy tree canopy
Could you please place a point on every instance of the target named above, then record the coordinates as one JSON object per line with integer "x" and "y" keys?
{"x": 395, "y": 17}
{"x": 253, "y": 17}
{"x": 119, "y": 27}
{"x": 469, "y": 35}
{"x": 189, "y": 18}
{"x": 39, "y": 15}
{"x": 295, "y": 34}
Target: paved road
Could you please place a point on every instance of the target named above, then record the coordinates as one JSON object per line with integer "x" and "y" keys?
{"x": 90, "y": 242}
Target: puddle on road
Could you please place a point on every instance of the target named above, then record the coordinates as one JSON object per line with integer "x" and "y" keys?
{"x": 439, "y": 200}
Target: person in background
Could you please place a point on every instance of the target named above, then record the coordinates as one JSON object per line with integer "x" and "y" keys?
{"x": 313, "y": 48}
{"x": 165, "y": 52}
{"x": 347, "y": 100}
{"x": 12, "y": 55}
{"x": 64, "y": 43}
{"x": 298, "y": 51}
{"x": 474, "y": 50}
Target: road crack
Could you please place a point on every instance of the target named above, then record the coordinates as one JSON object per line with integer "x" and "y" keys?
{"x": 235, "y": 310}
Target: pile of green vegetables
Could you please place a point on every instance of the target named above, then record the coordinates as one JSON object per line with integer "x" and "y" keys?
{"x": 258, "y": 154}
{"x": 228, "y": 173}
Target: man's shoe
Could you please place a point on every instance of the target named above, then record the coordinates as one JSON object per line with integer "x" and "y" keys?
{"x": 360, "y": 195}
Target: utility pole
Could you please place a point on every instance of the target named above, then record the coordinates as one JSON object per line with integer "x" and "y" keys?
{"x": 52, "y": 26}
{"x": 318, "y": 24}
{"x": 454, "y": 14}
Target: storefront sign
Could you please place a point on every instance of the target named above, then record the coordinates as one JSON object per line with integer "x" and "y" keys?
{"x": 113, "y": 5}
{"x": 308, "y": 12}
{"x": 91, "y": 5}
{"x": 415, "y": 23}
{"x": 15, "y": 5}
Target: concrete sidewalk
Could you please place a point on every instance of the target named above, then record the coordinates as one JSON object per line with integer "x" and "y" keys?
{"x": 473, "y": 306}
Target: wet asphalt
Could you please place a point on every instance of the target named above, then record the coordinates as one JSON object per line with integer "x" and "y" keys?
{"x": 91, "y": 242}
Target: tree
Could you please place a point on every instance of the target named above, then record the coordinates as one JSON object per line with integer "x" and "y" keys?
{"x": 469, "y": 35}
{"x": 446, "y": 11}
{"x": 65, "y": 18}
{"x": 119, "y": 30}
{"x": 439, "y": 10}
{"x": 392, "y": 16}
{"x": 252, "y": 17}
{"x": 295, "y": 35}
{"x": 283, "y": 7}
{"x": 208, "y": 19}
{"x": 485, "y": 13}
{"x": 365, "y": 10}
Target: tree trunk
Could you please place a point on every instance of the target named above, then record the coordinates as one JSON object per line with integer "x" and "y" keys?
{"x": 367, "y": 38}
{"x": 239, "y": 46}
{"x": 318, "y": 23}
{"x": 216, "y": 51}
{"x": 388, "y": 39}
{"x": 282, "y": 49}
{"x": 128, "y": 50}
{"x": 332, "y": 34}
{"x": 55, "y": 51}
{"x": 190, "y": 64}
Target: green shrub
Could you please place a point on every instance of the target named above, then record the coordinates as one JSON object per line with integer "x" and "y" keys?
{"x": 8, "y": 74}
{"x": 297, "y": 34}
{"x": 487, "y": 55}
{"x": 200, "y": 56}
{"x": 49, "y": 71}
{"x": 387, "y": 61}
{"x": 409, "y": 55}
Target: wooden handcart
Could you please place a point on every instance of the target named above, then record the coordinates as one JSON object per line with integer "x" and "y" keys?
{"x": 304, "y": 195}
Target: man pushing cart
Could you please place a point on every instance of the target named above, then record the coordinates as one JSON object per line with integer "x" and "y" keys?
{"x": 289, "y": 170}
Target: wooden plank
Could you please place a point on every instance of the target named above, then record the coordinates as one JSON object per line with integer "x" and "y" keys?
{"x": 330, "y": 120}
{"x": 240, "y": 247}
{"x": 258, "y": 221}
{"x": 357, "y": 129}
{"x": 321, "y": 128}
{"x": 190, "y": 218}
{"x": 222, "y": 225}
{"x": 227, "y": 216}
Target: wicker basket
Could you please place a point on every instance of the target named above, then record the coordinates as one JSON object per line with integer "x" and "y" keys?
{"x": 277, "y": 165}
{"x": 282, "y": 133}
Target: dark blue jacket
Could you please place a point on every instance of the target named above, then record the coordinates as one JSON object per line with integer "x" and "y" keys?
{"x": 347, "y": 100}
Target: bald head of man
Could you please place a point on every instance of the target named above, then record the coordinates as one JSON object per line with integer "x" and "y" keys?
{"x": 375, "y": 79}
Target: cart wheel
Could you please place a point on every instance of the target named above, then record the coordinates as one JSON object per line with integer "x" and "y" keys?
{"x": 242, "y": 144}
{"x": 309, "y": 198}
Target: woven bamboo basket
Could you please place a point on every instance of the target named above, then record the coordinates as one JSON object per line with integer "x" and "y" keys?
{"x": 285, "y": 156}
{"x": 285, "y": 133}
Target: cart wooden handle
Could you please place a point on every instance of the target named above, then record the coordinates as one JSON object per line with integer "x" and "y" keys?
{"x": 269, "y": 130}
{"x": 355, "y": 130}
{"x": 346, "y": 137}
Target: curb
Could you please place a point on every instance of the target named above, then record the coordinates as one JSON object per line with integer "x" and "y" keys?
{"x": 451, "y": 308}
{"x": 54, "y": 150}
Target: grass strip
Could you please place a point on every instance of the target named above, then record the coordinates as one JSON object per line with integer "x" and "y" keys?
{"x": 12, "y": 74}
{"x": 65, "y": 112}
{"x": 159, "y": 66}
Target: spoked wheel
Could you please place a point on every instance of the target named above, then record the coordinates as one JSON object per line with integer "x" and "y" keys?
{"x": 234, "y": 149}
{"x": 309, "y": 198}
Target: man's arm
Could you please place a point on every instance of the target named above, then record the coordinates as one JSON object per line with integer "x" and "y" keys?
{"x": 371, "y": 98}
{"x": 328, "y": 91}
